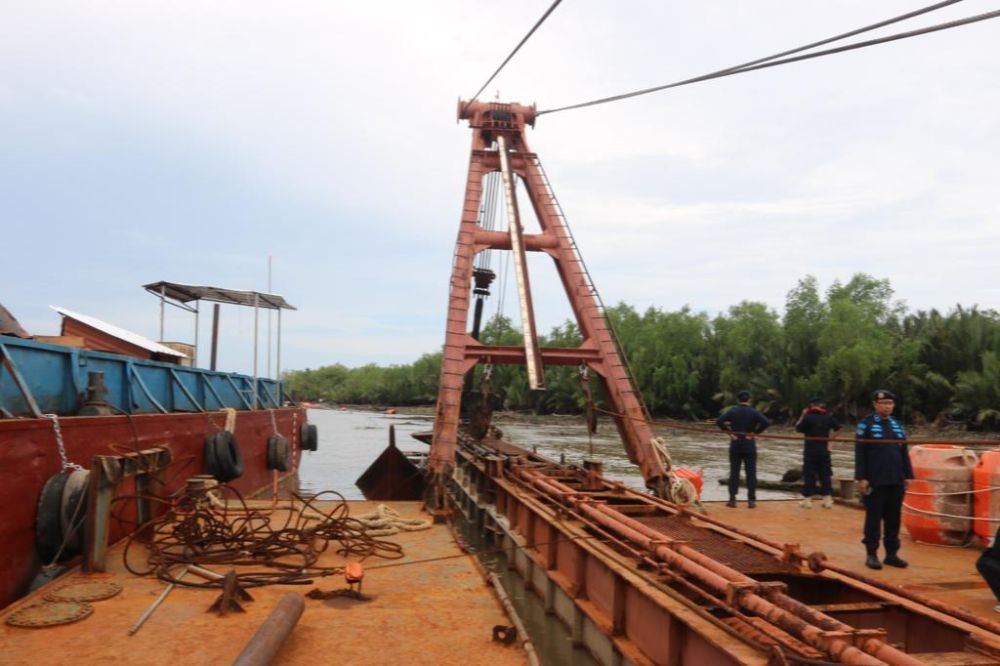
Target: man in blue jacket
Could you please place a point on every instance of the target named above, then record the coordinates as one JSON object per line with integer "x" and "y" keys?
{"x": 882, "y": 468}
{"x": 743, "y": 422}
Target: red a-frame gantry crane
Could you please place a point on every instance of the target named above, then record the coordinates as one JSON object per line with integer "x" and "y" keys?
{"x": 499, "y": 145}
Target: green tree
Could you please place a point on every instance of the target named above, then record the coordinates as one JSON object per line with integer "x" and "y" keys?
{"x": 751, "y": 355}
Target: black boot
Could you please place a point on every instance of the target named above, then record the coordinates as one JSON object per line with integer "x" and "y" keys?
{"x": 894, "y": 560}
{"x": 731, "y": 503}
{"x": 752, "y": 504}
{"x": 872, "y": 561}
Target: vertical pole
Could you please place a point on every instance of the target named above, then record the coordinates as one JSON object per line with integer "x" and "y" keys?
{"x": 163, "y": 302}
{"x": 277, "y": 370}
{"x": 532, "y": 351}
{"x": 215, "y": 334}
{"x": 197, "y": 310}
{"x": 256, "y": 318}
{"x": 268, "y": 318}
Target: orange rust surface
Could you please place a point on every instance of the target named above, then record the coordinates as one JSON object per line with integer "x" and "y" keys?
{"x": 440, "y": 612}
{"x": 947, "y": 574}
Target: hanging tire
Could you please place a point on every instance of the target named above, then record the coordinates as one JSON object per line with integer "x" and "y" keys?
{"x": 73, "y": 514}
{"x": 309, "y": 437}
{"x": 48, "y": 518}
{"x": 222, "y": 457}
{"x": 277, "y": 453}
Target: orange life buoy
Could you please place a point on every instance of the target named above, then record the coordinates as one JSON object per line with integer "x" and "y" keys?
{"x": 937, "y": 507}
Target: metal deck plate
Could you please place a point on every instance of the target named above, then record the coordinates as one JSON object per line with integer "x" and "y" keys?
{"x": 50, "y": 613}
{"x": 85, "y": 590}
{"x": 727, "y": 551}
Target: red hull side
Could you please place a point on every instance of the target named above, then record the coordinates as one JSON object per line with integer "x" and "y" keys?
{"x": 28, "y": 457}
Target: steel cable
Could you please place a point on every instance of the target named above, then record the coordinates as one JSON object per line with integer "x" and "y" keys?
{"x": 780, "y": 59}
{"x": 197, "y": 531}
{"x": 710, "y": 430}
{"x": 517, "y": 48}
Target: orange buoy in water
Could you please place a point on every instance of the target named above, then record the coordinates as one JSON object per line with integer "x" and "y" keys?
{"x": 696, "y": 477}
{"x": 390, "y": 411}
{"x": 937, "y": 507}
{"x": 986, "y": 483}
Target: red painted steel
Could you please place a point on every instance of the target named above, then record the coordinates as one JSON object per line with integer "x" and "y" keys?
{"x": 29, "y": 457}
{"x": 846, "y": 643}
{"x": 489, "y": 121}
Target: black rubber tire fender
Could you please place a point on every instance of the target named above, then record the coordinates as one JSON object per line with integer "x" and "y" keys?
{"x": 277, "y": 453}
{"x": 48, "y": 518}
{"x": 73, "y": 512}
{"x": 222, "y": 457}
{"x": 309, "y": 437}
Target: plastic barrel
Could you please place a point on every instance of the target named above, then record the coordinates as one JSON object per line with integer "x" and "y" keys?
{"x": 987, "y": 502}
{"x": 937, "y": 507}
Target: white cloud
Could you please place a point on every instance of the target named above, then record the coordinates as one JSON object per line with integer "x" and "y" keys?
{"x": 325, "y": 133}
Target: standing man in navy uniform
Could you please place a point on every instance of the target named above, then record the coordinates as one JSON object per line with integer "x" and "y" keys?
{"x": 743, "y": 422}
{"x": 815, "y": 423}
{"x": 882, "y": 468}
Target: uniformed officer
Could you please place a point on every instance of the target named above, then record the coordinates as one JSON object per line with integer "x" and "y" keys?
{"x": 816, "y": 423}
{"x": 743, "y": 422}
{"x": 881, "y": 468}
{"x": 988, "y": 566}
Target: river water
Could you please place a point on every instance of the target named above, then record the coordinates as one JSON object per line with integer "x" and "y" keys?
{"x": 350, "y": 440}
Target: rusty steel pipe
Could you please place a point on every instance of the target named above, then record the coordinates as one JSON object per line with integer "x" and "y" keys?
{"x": 267, "y": 642}
{"x": 910, "y": 595}
{"x": 515, "y": 619}
{"x": 809, "y": 615}
{"x": 719, "y": 577}
{"x": 796, "y": 626}
{"x": 939, "y": 606}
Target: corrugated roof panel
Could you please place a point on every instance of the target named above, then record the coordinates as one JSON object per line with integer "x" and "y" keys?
{"x": 120, "y": 333}
{"x": 185, "y": 293}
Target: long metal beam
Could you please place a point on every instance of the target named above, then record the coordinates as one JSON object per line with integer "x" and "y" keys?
{"x": 532, "y": 353}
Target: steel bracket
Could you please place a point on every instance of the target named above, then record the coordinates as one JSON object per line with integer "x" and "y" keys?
{"x": 106, "y": 472}
{"x": 856, "y": 637}
{"x": 791, "y": 553}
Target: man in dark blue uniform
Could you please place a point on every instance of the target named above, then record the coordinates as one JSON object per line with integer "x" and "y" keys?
{"x": 988, "y": 566}
{"x": 815, "y": 423}
{"x": 743, "y": 422}
{"x": 882, "y": 468}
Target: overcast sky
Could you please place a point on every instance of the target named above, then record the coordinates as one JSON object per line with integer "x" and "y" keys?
{"x": 187, "y": 141}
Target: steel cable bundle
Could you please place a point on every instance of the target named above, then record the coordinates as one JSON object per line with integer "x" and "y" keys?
{"x": 286, "y": 539}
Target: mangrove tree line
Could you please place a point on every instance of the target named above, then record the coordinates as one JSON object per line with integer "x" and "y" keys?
{"x": 841, "y": 344}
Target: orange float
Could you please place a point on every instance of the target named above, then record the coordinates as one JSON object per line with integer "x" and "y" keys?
{"x": 985, "y": 480}
{"x": 696, "y": 477}
{"x": 937, "y": 507}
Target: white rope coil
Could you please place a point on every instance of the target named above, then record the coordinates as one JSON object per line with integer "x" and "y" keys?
{"x": 384, "y": 521}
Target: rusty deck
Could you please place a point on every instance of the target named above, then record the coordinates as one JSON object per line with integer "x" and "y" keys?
{"x": 433, "y": 604}
{"x": 944, "y": 573}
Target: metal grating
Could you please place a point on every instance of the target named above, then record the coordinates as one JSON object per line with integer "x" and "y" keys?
{"x": 727, "y": 551}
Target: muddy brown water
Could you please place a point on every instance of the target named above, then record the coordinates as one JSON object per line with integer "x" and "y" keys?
{"x": 350, "y": 440}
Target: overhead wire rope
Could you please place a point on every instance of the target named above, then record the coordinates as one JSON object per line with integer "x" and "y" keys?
{"x": 524, "y": 39}
{"x": 673, "y": 424}
{"x": 780, "y": 59}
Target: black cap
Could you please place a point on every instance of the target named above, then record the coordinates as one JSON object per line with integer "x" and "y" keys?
{"x": 883, "y": 394}
{"x": 813, "y": 399}
{"x": 743, "y": 395}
